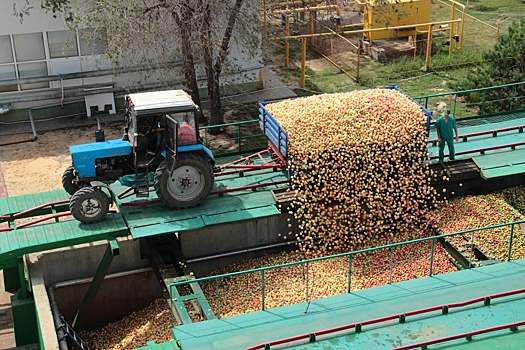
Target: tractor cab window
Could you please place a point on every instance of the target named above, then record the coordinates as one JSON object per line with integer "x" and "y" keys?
{"x": 187, "y": 133}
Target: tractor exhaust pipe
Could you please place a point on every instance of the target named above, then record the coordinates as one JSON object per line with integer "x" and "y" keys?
{"x": 99, "y": 134}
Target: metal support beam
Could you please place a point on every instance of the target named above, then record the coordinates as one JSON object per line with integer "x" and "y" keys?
{"x": 23, "y": 292}
{"x": 111, "y": 251}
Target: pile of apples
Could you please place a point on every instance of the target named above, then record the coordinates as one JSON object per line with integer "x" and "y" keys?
{"x": 480, "y": 211}
{"x": 135, "y": 330}
{"x": 359, "y": 170}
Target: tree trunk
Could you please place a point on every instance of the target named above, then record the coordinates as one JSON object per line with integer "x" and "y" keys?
{"x": 214, "y": 69}
{"x": 188, "y": 63}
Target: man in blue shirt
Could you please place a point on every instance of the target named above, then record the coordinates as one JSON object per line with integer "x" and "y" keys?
{"x": 447, "y": 131}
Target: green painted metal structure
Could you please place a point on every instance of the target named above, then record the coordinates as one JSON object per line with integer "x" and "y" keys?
{"x": 145, "y": 221}
{"x": 150, "y": 220}
{"x": 500, "y": 99}
{"x": 363, "y": 306}
{"x": 493, "y": 163}
{"x": 349, "y": 257}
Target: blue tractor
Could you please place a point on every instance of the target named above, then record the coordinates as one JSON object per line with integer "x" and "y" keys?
{"x": 161, "y": 136}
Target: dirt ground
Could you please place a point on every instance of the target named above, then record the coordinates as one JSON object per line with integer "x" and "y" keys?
{"x": 32, "y": 167}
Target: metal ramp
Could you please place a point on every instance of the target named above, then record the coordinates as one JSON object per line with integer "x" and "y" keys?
{"x": 17, "y": 240}
{"x": 149, "y": 218}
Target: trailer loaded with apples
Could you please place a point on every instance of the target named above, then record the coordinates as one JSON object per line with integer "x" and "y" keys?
{"x": 184, "y": 169}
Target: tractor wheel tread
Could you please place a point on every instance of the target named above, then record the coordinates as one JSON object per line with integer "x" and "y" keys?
{"x": 96, "y": 197}
{"x": 190, "y": 159}
{"x": 67, "y": 180}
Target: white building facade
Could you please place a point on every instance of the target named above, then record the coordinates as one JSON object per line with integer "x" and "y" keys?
{"x": 42, "y": 62}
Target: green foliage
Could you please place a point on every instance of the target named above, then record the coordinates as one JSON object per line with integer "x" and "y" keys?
{"x": 505, "y": 64}
{"x": 483, "y": 8}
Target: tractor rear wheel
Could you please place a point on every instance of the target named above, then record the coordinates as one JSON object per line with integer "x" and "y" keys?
{"x": 67, "y": 180}
{"x": 188, "y": 185}
{"x": 89, "y": 205}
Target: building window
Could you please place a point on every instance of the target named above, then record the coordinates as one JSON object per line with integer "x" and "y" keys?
{"x": 7, "y": 71}
{"x": 6, "y": 53}
{"x": 7, "y": 68}
{"x": 30, "y": 55}
{"x": 29, "y": 47}
{"x": 92, "y": 43}
{"x": 62, "y": 43}
{"x": 33, "y": 69}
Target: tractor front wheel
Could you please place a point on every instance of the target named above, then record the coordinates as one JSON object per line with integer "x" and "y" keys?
{"x": 188, "y": 184}
{"x": 67, "y": 180}
{"x": 89, "y": 205}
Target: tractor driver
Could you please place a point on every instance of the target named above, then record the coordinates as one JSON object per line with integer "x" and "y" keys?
{"x": 160, "y": 127}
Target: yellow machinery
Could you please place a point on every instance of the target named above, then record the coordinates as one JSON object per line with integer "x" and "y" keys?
{"x": 394, "y": 13}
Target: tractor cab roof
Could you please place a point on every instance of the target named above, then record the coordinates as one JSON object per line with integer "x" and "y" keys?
{"x": 161, "y": 102}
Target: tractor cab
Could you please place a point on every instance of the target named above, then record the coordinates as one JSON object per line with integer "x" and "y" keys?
{"x": 158, "y": 119}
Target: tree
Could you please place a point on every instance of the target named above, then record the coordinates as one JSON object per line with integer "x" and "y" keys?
{"x": 504, "y": 64}
{"x": 168, "y": 38}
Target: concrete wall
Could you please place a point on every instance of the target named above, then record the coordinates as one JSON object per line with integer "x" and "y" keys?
{"x": 82, "y": 261}
{"x": 233, "y": 237}
{"x": 62, "y": 271}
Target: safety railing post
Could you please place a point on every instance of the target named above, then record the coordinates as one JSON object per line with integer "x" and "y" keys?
{"x": 350, "y": 257}
{"x": 239, "y": 138}
{"x": 471, "y": 250}
{"x": 510, "y": 241}
{"x": 262, "y": 290}
{"x": 391, "y": 263}
{"x": 307, "y": 275}
{"x": 483, "y": 101}
{"x": 512, "y": 97}
{"x": 218, "y": 298}
{"x": 172, "y": 315}
{"x": 432, "y": 247}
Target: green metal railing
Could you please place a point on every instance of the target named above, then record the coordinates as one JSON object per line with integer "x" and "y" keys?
{"x": 479, "y": 102}
{"x": 237, "y": 138}
{"x": 266, "y": 287}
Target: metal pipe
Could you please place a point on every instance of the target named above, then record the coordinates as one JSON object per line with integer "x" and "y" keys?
{"x": 309, "y": 9}
{"x": 78, "y": 281}
{"x": 242, "y": 251}
{"x": 92, "y": 74}
{"x": 56, "y": 318}
{"x": 364, "y": 30}
{"x": 296, "y": 2}
{"x": 286, "y": 43}
{"x": 303, "y": 63}
{"x": 429, "y": 47}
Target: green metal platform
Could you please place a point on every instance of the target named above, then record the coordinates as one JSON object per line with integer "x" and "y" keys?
{"x": 141, "y": 221}
{"x": 239, "y": 332}
{"x": 52, "y": 235}
{"x": 216, "y": 209}
{"x": 495, "y": 163}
